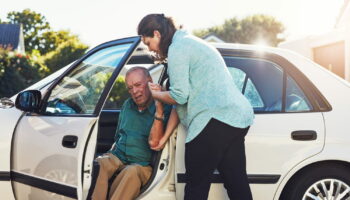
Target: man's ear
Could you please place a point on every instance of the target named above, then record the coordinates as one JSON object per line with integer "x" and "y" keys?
{"x": 157, "y": 34}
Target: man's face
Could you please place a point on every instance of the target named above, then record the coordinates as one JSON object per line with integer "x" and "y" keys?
{"x": 137, "y": 84}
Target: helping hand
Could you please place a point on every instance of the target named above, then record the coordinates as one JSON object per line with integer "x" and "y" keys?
{"x": 154, "y": 87}
{"x": 161, "y": 144}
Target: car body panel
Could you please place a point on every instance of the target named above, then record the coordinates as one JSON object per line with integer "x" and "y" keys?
{"x": 48, "y": 159}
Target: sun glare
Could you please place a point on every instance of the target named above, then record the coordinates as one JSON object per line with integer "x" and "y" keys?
{"x": 261, "y": 43}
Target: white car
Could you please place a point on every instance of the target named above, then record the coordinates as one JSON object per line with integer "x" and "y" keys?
{"x": 297, "y": 148}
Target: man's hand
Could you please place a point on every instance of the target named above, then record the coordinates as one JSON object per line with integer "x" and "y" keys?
{"x": 161, "y": 144}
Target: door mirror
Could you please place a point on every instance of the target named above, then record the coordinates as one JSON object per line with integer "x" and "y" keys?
{"x": 29, "y": 101}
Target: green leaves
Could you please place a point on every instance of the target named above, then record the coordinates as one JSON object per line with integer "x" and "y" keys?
{"x": 249, "y": 30}
{"x": 17, "y": 71}
{"x": 46, "y": 51}
{"x": 33, "y": 24}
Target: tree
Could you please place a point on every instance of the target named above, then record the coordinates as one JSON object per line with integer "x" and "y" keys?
{"x": 65, "y": 53}
{"x": 250, "y": 30}
{"x": 34, "y": 24}
{"x": 43, "y": 47}
{"x": 55, "y": 48}
{"x": 51, "y": 40}
{"x": 18, "y": 71}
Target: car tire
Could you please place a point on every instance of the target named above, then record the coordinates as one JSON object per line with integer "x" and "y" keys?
{"x": 320, "y": 181}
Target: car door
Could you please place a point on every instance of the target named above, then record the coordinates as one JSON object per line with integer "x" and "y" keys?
{"x": 288, "y": 126}
{"x": 49, "y": 147}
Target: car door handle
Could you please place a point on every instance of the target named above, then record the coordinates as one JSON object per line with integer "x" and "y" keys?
{"x": 304, "y": 135}
{"x": 70, "y": 141}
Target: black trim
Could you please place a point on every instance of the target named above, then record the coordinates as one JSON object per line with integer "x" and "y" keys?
{"x": 284, "y": 91}
{"x": 304, "y": 135}
{"x": 61, "y": 115}
{"x": 253, "y": 179}
{"x": 50, "y": 186}
{"x": 5, "y": 176}
{"x": 317, "y": 100}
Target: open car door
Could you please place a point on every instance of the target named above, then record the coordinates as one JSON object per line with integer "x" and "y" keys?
{"x": 49, "y": 146}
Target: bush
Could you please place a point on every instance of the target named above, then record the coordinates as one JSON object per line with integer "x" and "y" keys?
{"x": 18, "y": 71}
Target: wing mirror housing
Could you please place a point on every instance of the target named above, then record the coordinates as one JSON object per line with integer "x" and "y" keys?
{"x": 28, "y": 101}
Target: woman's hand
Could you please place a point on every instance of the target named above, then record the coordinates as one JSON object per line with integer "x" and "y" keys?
{"x": 153, "y": 87}
{"x": 158, "y": 94}
{"x": 161, "y": 144}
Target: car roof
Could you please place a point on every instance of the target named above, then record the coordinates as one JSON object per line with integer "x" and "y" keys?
{"x": 250, "y": 47}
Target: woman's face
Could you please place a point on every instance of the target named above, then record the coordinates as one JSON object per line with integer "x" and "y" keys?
{"x": 152, "y": 42}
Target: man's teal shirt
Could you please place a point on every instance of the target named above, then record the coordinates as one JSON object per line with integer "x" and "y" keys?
{"x": 134, "y": 126}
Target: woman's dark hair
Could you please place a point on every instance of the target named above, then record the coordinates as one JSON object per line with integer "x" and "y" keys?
{"x": 165, "y": 26}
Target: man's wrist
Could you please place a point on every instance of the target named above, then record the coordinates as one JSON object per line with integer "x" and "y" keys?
{"x": 159, "y": 117}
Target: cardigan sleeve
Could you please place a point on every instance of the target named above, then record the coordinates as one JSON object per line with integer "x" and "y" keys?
{"x": 179, "y": 62}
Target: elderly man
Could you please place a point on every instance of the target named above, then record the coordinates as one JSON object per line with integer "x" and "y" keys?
{"x": 141, "y": 122}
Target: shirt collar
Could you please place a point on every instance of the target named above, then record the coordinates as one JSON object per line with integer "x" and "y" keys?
{"x": 151, "y": 108}
{"x": 178, "y": 34}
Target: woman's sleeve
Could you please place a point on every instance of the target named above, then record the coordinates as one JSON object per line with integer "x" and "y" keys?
{"x": 179, "y": 62}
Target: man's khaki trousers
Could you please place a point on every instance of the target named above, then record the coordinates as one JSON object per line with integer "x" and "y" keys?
{"x": 126, "y": 185}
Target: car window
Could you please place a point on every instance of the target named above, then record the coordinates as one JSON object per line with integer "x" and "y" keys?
{"x": 248, "y": 90}
{"x": 259, "y": 80}
{"x": 296, "y": 101}
{"x": 79, "y": 91}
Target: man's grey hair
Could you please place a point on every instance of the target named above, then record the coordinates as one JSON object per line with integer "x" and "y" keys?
{"x": 143, "y": 69}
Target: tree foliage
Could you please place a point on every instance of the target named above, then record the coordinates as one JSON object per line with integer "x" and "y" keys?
{"x": 65, "y": 53}
{"x": 46, "y": 51}
{"x": 39, "y": 37}
{"x": 250, "y": 30}
{"x": 18, "y": 71}
{"x": 34, "y": 24}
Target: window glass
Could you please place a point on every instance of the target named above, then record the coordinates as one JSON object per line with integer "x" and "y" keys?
{"x": 238, "y": 77}
{"x": 263, "y": 86}
{"x": 79, "y": 91}
{"x": 253, "y": 96}
{"x": 249, "y": 91}
{"x": 295, "y": 98}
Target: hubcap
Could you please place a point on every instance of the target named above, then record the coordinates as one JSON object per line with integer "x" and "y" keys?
{"x": 63, "y": 176}
{"x": 328, "y": 189}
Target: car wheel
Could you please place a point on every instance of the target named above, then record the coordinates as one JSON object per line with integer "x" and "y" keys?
{"x": 321, "y": 183}
{"x": 61, "y": 173}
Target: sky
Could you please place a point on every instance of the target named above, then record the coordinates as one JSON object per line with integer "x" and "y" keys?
{"x": 98, "y": 21}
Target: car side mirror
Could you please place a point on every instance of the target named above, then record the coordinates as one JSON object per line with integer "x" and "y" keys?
{"x": 28, "y": 101}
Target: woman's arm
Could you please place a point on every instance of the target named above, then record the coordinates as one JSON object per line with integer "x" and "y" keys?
{"x": 172, "y": 124}
{"x": 163, "y": 96}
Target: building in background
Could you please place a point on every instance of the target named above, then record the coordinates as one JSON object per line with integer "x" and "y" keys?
{"x": 212, "y": 38}
{"x": 11, "y": 36}
{"x": 331, "y": 50}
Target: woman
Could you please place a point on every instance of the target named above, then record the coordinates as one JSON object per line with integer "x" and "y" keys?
{"x": 217, "y": 116}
